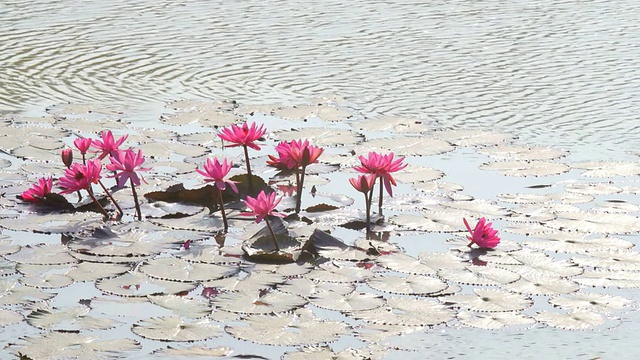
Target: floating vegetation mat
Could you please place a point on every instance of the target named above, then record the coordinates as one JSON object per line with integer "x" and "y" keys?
{"x": 176, "y": 284}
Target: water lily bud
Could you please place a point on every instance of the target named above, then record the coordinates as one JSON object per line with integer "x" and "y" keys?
{"x": 67, "y": 157}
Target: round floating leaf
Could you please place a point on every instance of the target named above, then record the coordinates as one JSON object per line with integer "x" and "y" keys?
{"x": 322, "y": 136}
{"x": 9, "y": 317}
{"x": 167, "y": 150}
{"x": 46, "y": 281}
{"x": 415, "y": 174}
{"x": 490, "y": 300}
{"x": 612, "y": 259}
{"x": 538, "y": 284}
{"x": 132, "y": 243}
{"x": 427, "y": 264}
{"x": 59, "y": 345}
{"x": 305, "y": 287}
{"x": 596, "y": 222}
{"x": 376, "y": 333}
{"x": 394, "y": 124}
{"x": 257, "y": 280}
{"x": 72, "y": 319}
{"x": 180, "y": 306}
{"x": 591, "y": 302}
{"x": 193, "y": 351}
{"x": 607, "y": 169}
{"x": 592, "y": 188}
{"x": 176, "y": 329}
{"x": 527, "y": 168}
{"x": 89, "y": 271}
{"x": 410, "y": 285}
{"x": 54, "y": 223}
{"x": 7, "y": 267}
{"x": 472, "y": 137}
{"x": 138, "y": 284}
{"x": 12, "y": 293}
{"x": 608, "y": 278}
{"x": 180, "y": 270}
{"x": 580, "y": 244}
{"x": 372, "y": 352}
{"x": 333, "y": 272}
{"x": 407, "y": 312}
{"x": 523, "y": 198}
{"x": 524, "y": 153}
{"x": 407, "y": 146}
{"x": 479, "y": 275}
{"x": 258, "y": 302}
{"x": 577, "y": 320}
{"x": 494, "y": 321}
{"x": 355, "y": 301}
{"x": 295, "y": 329}
{"x": 42, "y": 254}
{"x": 541, "y": 264}
{"x": 324, "y": 112}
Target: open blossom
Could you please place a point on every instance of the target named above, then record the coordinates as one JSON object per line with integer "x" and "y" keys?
{"x": 363, "y": 183}
{"x": 126, "y": 164}
{"x": 382, "y": 166}
{"x": 38, "y": 191}
{"x": 243, "y": 135}
{"x": 79, "y": 176}
{"x": 107, "y": 146}
{"x": 284, "y": 161}
{"x": 216, "y": 172}
{"x": 82, "y": 144}
{"x": 262, "y": 205}
{"x": 483, "y": 234}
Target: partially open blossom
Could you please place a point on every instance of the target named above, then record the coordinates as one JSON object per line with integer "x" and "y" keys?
{"x": 82, "y": 144}
{"x": 80, "y": 176}
{"x": 363, "y": 183}
{"x": 108, "y": 146}
{"x": 216, "y": 172}
{"x": 284, "y": 161}
{"x": 67, "y": 157}
{"x": 38, "y": 191}
{"x": 382, "y": 166}
{"x": 243, "y": 135}
{"x": 304, "y": 154}
{"x": 483, "y": 234}
{"x": 126, "y": 164}
{"x": 262, "y": 205}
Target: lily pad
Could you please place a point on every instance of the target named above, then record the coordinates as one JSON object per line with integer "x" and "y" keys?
{"x": 176, "y": 329}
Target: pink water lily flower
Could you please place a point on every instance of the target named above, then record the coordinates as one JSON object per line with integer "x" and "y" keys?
{"x": 304, "y": 154}
{"x": 82, "y": 144}
{"x": 262, "y": 206}
{"x": 80, "y": 177}
{"x": 363, "y": 183}
{"x": 126, "y": 164}
{"x": 243, "y": 135}
{"x": 38, "y": 191}
{"x": 108, "y": 146}
{"x": 216, "y": 172}
{"x": 67, "y": 157}
{"x": 382, "y": 166}
{"x": 483, "y": 234}
{"x": 284, "y": 161}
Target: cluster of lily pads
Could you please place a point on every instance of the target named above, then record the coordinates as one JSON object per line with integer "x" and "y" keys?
{"x": 409, "y": 272}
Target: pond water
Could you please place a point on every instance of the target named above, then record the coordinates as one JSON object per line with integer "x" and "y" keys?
{"x": 557, "y": 73}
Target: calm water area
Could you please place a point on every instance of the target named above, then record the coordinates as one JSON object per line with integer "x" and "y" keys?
{"x": 560, "y": 73}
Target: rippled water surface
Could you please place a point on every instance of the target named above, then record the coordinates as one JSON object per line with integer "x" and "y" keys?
{"x": 554, "y": 71}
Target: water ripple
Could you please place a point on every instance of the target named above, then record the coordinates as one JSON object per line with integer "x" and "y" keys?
{"x": 558, "y": 71}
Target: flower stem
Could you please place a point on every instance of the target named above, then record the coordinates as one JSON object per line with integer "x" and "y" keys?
{"x": 102, "y": 210}
{"x": 299, "y": 191}
{"x": 367, "y": 203}
{"x": 246, "y": 159}
{"x": 380, "y": 198}
{"x": 224, "y": 216}
{"x": 273, "y": 235}
{"x": 135, "y": 200}
{"x": 112, "y": 200}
